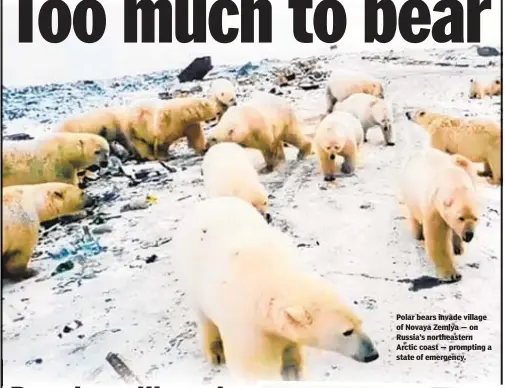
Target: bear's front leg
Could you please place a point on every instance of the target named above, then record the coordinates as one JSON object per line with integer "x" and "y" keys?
{"x": 438, "y": 239}
{"x": 252, "y": 355}
{"x": 212, "y": 342}
{"x": 196, "y": 137}
{"x": 457, "y": 244}
{"x": 16, "y": 264}
{"x": 417, "y": 228}
{"x": 349, "y": 164}
{"x": 292, "y": 363}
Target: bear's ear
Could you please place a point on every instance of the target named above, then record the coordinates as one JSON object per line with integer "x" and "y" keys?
{"x": 298, "y": 316}
{"x": 461, "y": 161}
{"x": 448, "y": 201}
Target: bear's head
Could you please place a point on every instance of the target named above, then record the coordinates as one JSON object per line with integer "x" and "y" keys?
{"x": 422, "y": 117}
{"x": 260, "y": 202}
{"x": 58, "y": 199}
{"x": 94, "y": 150}
{"x": 459, "y": 205}
{"x": 381, "y": 114}
{"x": 496, "y": 87}
{"x": 331, "y": 143}
{"x": 224, "y": 92}
{"x": 375, "y": 89}
{"x": 322, "y": 321}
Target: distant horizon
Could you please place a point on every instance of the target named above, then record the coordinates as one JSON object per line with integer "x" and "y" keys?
{"x": 40, "y": 62}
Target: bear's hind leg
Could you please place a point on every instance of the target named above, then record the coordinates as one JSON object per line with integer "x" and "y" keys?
{"x": 212, "y": 342}
{"x": 439, "y": 247}
{"x": 495, "y": 166}
{"x": 292, "y": 362}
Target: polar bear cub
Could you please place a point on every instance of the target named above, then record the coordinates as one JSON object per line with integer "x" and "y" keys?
{"x": 255, "y": 308}
{"x": 228, "y": 171}
{"x": 371, "y": 111}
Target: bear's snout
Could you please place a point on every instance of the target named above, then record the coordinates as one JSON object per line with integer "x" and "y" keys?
{"x": 332, "y": 156}
{"x": 89, "y": 201}
{"x": 268, "y": 218}
{"x": 104, "y": 163}
{"x": 468, "y": 236}
{"x": 371, "y": 357}
{"x": 409, "y": 115}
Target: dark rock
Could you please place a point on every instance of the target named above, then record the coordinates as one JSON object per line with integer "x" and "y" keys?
{"x": 487, "y": 51}
{"x": 196, "y": 69}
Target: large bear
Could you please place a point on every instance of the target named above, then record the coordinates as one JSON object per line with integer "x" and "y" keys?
{"x": 24, "y": 207}
{"x": 371, "y": 111}
{"x": 55, "y": 157}
{"x": 438, "y": 192}
{"x": 345, "y": 82}
{"x": 228, "y": 171}
{"x": 105, "y": 122}
{"x": 255, "y": 307}
{"x": 338, "y": 134}
{"x": 477, "y": 139}
{"x": 265, "y": 122}
{"x": 154, "y": 126}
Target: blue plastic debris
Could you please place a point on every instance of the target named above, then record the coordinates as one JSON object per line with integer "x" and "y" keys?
{"x": 86, "y": 246}
{"x": 247, "y": 69}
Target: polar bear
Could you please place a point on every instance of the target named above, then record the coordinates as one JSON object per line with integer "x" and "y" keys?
{"x": 153, "y": 126}
{"x": 255, "y": 307}
{"x": 371, "y": 111}
{"x": 345, "y": 82}
{"x": 264, "y": 122}
{"x": 228, "y": 171}
{"x": 477, "y": 139}
{"x": 24, "y": 207}
{"x": 481, "y": 88}
{"x": 338, "y": 134}
{"x": 438, "y": 192}
{"x": 55, "y": 157}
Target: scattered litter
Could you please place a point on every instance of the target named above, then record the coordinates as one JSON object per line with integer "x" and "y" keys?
{"x": 102, "y": 229}
{"x": 135, "y": 204}
{"x": 151, "y": 259}
{"x": 17, "y": 137}
{"x": 85, "y": 246}
{"x": 70, "y": 327}
{"x": 34, "y": 361}
{"x": 63, "y": 267}
{"x": 122, "y": 369}
{"x": 246, "y": 69}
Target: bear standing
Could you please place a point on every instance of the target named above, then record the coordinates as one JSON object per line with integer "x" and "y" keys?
{"x": 371, "y": 111}
{"x": 343, "y": 83}
{"x": 56, "y": 157}
{"x": 153, "y": 127}
{"x": 477, "y": 139}
{"x": 23, "y": 209}
{"x": 265, "y": 122}
{"x": 255, "y": 308}
{"x": 438, "y": 191}
{"x": 228, "y": 171}
{"x": 338, "y": 134}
